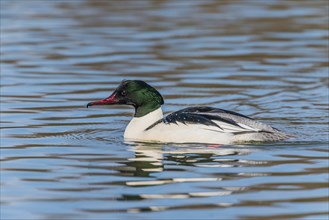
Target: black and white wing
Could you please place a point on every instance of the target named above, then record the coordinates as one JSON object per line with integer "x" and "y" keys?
{"x": 219, "y": 120}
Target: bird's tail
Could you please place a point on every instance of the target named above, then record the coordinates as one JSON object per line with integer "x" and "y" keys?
{"x": 262, "y": 136}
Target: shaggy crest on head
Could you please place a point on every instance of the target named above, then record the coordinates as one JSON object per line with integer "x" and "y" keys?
{"x": 189, "y": 125}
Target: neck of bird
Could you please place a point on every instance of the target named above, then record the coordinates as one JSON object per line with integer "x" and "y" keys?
{"x": 138, "y": 125}
{"x": 151, "y": 117}
{"x": 145, "y": 109}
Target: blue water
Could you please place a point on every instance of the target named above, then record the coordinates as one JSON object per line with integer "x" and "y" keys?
{"x": 264, "y": 59}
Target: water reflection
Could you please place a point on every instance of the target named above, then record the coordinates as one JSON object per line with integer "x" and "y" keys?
{"x": 149, "y": 160}
{"x": 187, "y": 155}
{"x": 153, "y": 161}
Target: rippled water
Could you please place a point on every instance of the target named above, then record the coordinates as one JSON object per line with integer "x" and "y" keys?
{"x": 265, "y": 59}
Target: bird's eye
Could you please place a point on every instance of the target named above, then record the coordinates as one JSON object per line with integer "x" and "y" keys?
{"x": 124, "y": 93}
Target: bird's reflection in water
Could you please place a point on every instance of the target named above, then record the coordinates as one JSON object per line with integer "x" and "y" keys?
{"x": 150, "y": 158}
{"x": 159, "y": 164}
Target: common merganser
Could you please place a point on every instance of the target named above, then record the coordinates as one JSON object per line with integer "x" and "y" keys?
{"x": 189, "y": 125}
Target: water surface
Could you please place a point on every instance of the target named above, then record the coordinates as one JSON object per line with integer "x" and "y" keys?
{"x": 264, "y": 59}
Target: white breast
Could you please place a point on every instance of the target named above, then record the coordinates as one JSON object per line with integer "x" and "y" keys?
{"x": 136, "y": 127}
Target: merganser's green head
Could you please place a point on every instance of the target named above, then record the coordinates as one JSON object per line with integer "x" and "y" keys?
{"x": 137, "y": 93}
